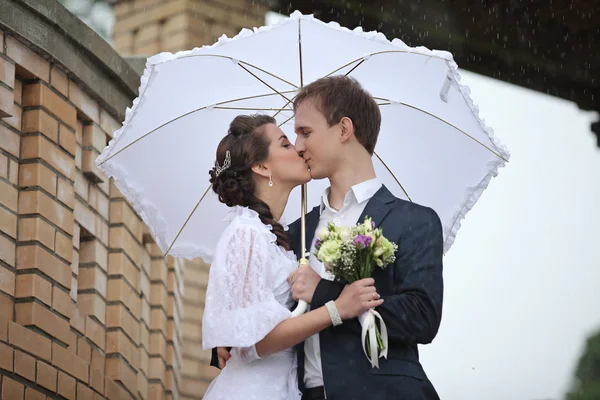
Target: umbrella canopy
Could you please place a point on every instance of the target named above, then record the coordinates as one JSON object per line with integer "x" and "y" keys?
{"x": 433, "y": 148}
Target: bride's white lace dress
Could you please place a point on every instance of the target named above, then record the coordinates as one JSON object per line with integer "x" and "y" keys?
{"x": 247, "y": 296}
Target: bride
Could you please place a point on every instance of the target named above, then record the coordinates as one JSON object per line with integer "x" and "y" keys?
{"x": 248, "y": 297}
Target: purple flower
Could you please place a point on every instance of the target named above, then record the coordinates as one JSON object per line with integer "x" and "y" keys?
{"x": 372, "y": 224}
{"x": 318, "y": 243}
{"x": 363, "y": 241}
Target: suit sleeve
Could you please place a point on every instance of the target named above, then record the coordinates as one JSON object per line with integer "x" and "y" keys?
{"x": 414, "y": 312}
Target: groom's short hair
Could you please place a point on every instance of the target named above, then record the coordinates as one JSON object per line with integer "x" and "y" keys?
{"x": 341, "y": 96}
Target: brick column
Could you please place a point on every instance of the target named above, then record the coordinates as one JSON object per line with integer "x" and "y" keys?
{"x": 144, "y": 27}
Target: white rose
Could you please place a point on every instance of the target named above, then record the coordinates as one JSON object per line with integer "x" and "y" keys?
{"x": 345, "y": 233}
{"x": 322, "y": 234}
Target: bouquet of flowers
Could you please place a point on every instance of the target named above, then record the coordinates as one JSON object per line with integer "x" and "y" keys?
{"x": 351, "y": 254}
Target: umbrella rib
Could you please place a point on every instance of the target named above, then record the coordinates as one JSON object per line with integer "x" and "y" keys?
{"x": 189, "y": 113}
{"x": 394, "y": 176}
{"x": 254, "y": 109}
{"x": 242, "y": 62}
{"x": 265, "y": 83}
{"x": 444, "y": 121}
{"x": 188, "y": 219}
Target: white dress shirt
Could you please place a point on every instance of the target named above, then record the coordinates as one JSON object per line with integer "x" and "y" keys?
{"x": 355, "y": 202}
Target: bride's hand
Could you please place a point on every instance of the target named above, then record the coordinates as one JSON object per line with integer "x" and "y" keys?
{"x": 358, "y": 298}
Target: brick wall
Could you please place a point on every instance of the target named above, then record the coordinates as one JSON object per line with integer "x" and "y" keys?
{"x": 89, "y": 307}
{"x": 144, "y": 27}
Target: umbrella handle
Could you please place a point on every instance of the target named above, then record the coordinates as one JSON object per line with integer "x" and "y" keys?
{"x": 302, "y": 305}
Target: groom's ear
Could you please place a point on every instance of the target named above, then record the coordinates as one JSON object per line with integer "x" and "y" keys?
{"x": 346, "y": 129}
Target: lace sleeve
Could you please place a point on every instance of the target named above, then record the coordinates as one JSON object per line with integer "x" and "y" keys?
{"x": 240, "y": 307}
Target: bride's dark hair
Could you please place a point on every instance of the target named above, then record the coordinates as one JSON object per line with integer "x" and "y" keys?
{"x": 248, "y": 145}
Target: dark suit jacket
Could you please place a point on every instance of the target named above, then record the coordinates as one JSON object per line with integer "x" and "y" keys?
{"x": 412, "y": 289}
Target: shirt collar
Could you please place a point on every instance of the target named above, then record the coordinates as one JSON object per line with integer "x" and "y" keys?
{"x": 357, "y": 194}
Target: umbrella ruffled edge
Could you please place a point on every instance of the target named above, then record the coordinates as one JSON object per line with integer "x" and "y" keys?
{"x": 472, "y": 194}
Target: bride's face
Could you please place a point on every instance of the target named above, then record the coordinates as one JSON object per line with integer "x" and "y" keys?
{"x": 286, "y": 166}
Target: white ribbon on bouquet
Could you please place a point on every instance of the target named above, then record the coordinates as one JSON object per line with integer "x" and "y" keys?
{"x": 368, "y": 322}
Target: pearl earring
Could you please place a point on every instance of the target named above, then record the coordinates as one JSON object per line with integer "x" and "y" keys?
{"x": 270, "y": 180}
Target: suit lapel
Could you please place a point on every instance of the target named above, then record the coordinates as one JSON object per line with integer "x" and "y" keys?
{"x": 378, "y": 207}
{"x": 312, "y": 220}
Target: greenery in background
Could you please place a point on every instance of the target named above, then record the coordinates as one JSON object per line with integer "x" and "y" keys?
{"x": 97, "y": 14}
{"x": 586, "y": 384}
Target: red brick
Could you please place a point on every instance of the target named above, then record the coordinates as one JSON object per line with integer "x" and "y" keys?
{"x": 9, "y": 195}
{"x": 6, "y": 357}
{"x": 119, "y": 290}
{"x": 37, "y": 174}
{"x": 7, "y": 251}
{"x": 70, "y": 363}
{"x": 66, "y": 193}
{"x": 97, "y": 380}
{"x": 7, "y": 281}
{"x": 63, "y": 246}
{"x": 95, "y": 333}
{"x": 88, "y": 165}
{"x": 84, "y": 392}
{"x": 40, "y": 121}
{"x": 61, "y": 301}
{"x": 30, "y": 341}
{"x": 92, "y": 278}
{"x": 27, "y": 59}
{"x": 38, "y": 94}
{"x": 36, "y": 257}
{"x": 32, "y": 285}
{"x": 120, "y": 265}
{"x": 98, "y": 360}
{"x": 15, "y": 120}
{"x": 85, "y": 217}
{"x": 18, "y": 92}
{"x": 84, "y": 350}
{"x": 7, "y": 73}
{"x": 108, "y": 123}
{"x": 9, "y": 140}
{"x": 117, "y": 342}
{"x": 7, "y": 105}
{"x": 66, "y": 385}
{"x": 114, "y": 391}
{"x": 93, "y": 305}
{"x": 11, "y": 389}
{"x": 13, "y": 172}
{"x": 98, "y": 201}
{"x": 37, "y": 202}
{"x": 46, "y": 376}
{"x": 34, "y": 314}
{"x": 118, "y": 317}
{"x": 8, "y": 223}
{"x": 39, "y": 147}
{"x": 94, "y": 136}
{"x": 66, "y": 140}
{"x": 118, "y": 370}
{"x": 32, "y": 394}
{"x": 59, "y": 81}
{"x": 25, "y": 365}
{"x": 93, "y": 252}
{"x": 84, "y": 103}
{"x": 37, "y": 229}
{"x": 3, "y": 166}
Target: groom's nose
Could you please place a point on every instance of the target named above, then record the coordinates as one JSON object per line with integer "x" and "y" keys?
{"x": 299, "y": 146}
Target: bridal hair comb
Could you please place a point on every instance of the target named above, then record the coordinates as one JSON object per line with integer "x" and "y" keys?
{"x": 226, "y": 164}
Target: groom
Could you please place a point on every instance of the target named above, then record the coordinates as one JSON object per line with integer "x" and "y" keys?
{"x": 337, "y": 124}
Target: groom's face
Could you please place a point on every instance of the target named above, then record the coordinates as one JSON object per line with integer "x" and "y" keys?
{"x": 316, "y": 141}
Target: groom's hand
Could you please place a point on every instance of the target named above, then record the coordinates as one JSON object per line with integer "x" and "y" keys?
{"x": 303, "y": 282}
{"x": 223, "y": 355}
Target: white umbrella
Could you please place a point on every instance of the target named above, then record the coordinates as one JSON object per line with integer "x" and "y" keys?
{"x": 433, "y": 148}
